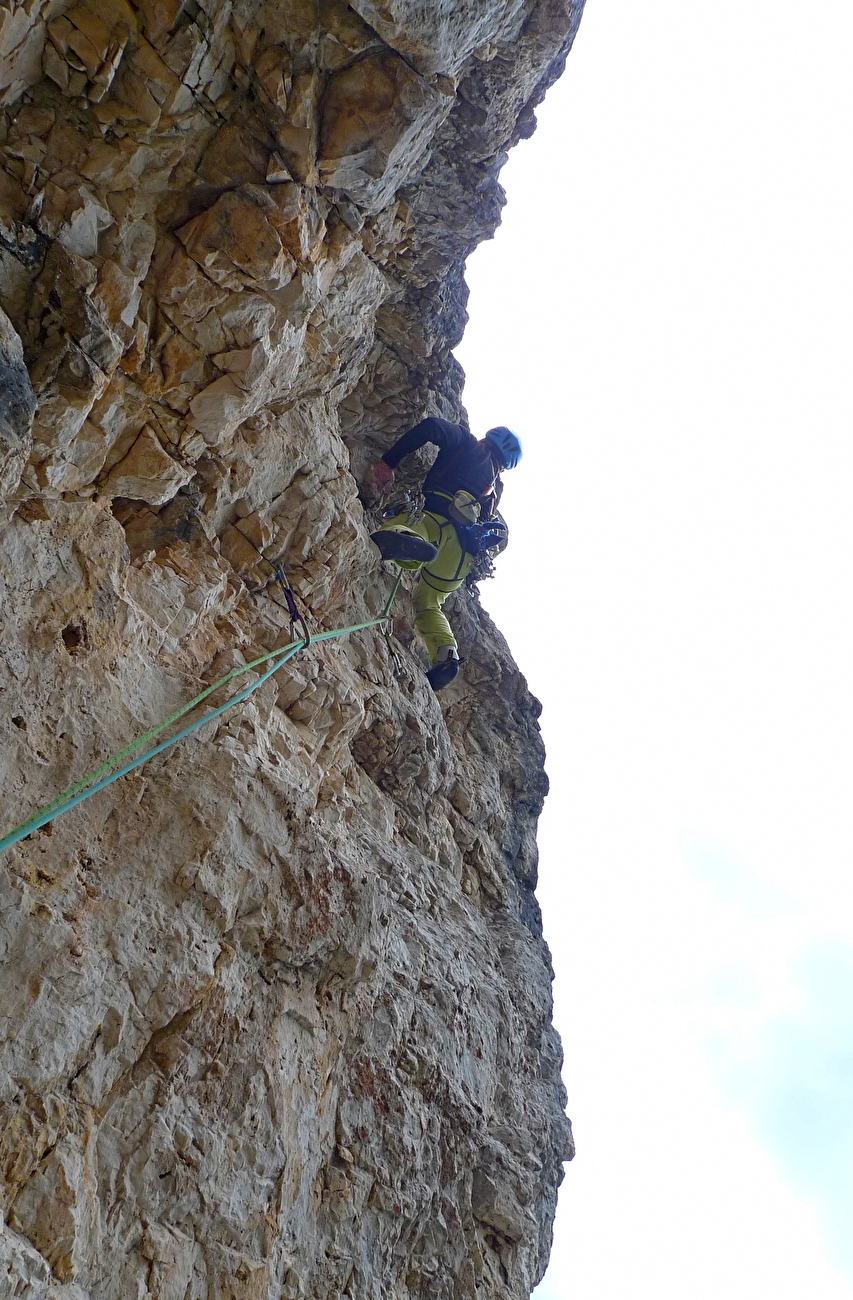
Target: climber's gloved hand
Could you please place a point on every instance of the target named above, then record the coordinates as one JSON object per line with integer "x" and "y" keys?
{"x": 382, "y": 476}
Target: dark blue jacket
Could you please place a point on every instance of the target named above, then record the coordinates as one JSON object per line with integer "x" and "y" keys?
{"x": 462, "y": 462}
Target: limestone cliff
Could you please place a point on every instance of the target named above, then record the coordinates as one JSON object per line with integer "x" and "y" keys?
{"x": 276, "y": 1007}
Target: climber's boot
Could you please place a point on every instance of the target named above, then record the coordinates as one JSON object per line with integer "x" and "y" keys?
{"x": 403, "y": 546}
{"x": 444, "y": 669}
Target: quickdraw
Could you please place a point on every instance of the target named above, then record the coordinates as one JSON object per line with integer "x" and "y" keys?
{"x": 397, "y": 664}
{"x": 297, "y": 619}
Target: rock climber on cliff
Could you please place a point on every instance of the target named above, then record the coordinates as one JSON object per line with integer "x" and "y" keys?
{"x": 457, "y": 524}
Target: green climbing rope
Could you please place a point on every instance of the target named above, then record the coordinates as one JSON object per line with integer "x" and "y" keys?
{"x": 104, "y": 775}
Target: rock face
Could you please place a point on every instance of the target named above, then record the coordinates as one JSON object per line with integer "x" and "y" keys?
{"x": 277, "y": 1006}
{"x": 17, "y": 405}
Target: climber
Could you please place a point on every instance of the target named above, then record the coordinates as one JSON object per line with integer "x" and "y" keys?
{"x": 457, "y": 524}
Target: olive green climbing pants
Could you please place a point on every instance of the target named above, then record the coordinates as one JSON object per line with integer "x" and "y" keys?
{"x": 438, "y": 578}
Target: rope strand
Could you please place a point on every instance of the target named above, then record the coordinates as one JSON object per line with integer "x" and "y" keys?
{"x": 97, "y": 780}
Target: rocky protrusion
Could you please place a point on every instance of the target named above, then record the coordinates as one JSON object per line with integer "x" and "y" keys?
{"x": 17, "y": 407}
{"x": 377, "y": 118}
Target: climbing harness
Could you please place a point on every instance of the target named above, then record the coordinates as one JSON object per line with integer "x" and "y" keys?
{"x": 104, "y": 775}
{"x": 460, "y": 507}
{"x": 478, "y": 537}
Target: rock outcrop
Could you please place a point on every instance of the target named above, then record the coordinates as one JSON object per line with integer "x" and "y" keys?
{"x": 276, "y": 1006}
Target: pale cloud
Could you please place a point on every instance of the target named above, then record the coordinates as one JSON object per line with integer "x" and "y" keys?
{"x": 794, "y": 1077}
{"x": 665, "y": 316}
{"x": 732, "y": 879}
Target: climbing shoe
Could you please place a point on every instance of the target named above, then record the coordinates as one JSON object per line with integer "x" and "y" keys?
{"x": 444, "y": 669}
{"x": 403, "y": 546}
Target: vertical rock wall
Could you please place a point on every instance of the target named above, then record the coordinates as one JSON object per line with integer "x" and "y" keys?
{"x": 276, "y": 1008}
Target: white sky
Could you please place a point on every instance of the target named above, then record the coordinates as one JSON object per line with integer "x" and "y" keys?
{"x": 665, "y": 317}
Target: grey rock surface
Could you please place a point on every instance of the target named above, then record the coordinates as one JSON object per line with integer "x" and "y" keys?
{"x": 17, "y": 407}
{"x": 276, "y": 1006}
